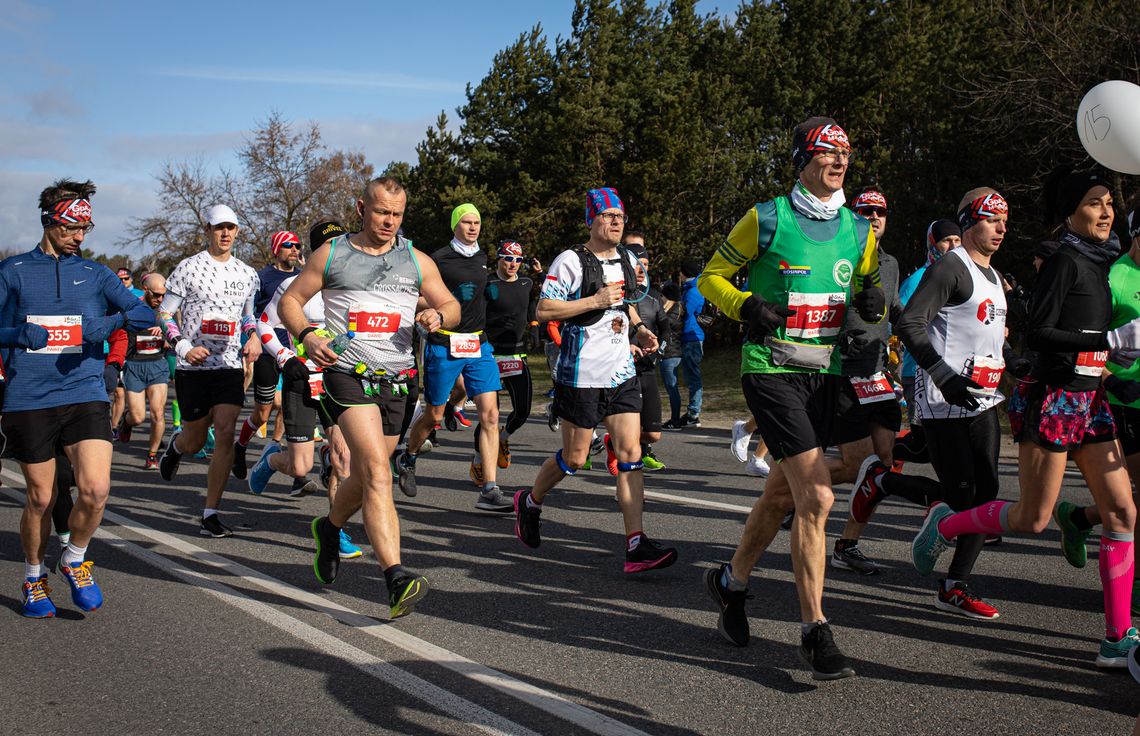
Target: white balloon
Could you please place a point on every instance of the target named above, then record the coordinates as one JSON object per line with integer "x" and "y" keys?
{"x": 1108, "y": 124}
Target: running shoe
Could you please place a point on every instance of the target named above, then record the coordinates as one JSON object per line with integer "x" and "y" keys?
{"x": 37, "y": 604}
{"x": 494, "y": 500}
{"x": 168, "y": 463}
{"x": 212, "y": 526}
{"x": 115, "y": 434}
{"x": 238, "y": 468}
{"x": 732, "y": 622}
{"x": 740, "y": 441}
{"x": 326, "y": 562}
{"x": 504, "y": 453}
{"x": 866, "y": 493}
{"x": 527, "y": 521}
{"x": 85, "y": 594}
{"x": 611, "y": 457}
{"x": 650, "y": 462}
{"x": 124, "y": 430}
{"x": 1072, "y": 538}
{"x": 151, "y": 462}
{"x": 690, "y": 420}
{"x": 819, "y": 652}
{"x": 648, "y": 555}
{"x": 758, "y": 467}
{"x": 406, "y": 592}
{"x": 1134, "y": 663}
{"x": 262, "y": 470}
{"x": 853, "y": 559}
{"x": 325, "y": 455}
{"x": 303, "y": 487}
{"x": 588, "y": 465}
{"x": 786, "y": 523}
{"x": 552, "y": 420}
{"x": 346, "y": 549}
{"x": 461, "y": 419}
{"x": 476, "y": 473}
{"x": 597, "y": 445}
{"x": 449, "y": 419}
{"x": 960, "y": 599}
{"x": 64, "y": 539}
{"x": 406, "y": 475}
{"x": 992, "y": 540}
{"x": 549, "y": 393}
{"x": 1117, "y": 653}
{"x": 673, "y": 425}
{"x": 929, "y": 544}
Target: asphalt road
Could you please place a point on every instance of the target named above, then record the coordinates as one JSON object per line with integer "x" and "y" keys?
{"x": 235, "y": 635}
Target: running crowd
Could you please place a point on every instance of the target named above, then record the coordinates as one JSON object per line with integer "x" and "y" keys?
{"x": 337, "y": 340}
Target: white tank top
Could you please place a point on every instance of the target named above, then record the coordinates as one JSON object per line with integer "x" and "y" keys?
{"x": 969, "y": 337}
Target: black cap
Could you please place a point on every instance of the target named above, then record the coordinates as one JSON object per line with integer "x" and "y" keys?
{"x": 323, "y": 232}
{"x": 671, "y": 291}
{"x": 1045, "y": 249}
{"x": 691, "y": 267}
{"x": 638, "y": 250}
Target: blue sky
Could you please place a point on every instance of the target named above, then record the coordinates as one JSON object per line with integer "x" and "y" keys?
{"x": 111, "y": 90}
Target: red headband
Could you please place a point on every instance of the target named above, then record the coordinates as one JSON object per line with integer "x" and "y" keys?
{"x": 982, "y": 208}
{"x": 67, "y": 211}
{"x": 827, "y": 138}
{"x": 281, "y": 237}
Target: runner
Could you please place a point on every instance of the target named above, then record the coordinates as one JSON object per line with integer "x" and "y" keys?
{"x": 56, "y": 304}
{"x": 1061, "y": 410}
{"x": 805, "y": 255}
{"x": 595, "y": 380}
{"x": 370, "y": 281}
{"x": 213, "y": 292}
{"x": 510, "y": 310}
{"x": 145, "y": 375}
{"x": 301, "y": 408}
{"x": 286, "y": 247}
{"x": 463, "y": 353}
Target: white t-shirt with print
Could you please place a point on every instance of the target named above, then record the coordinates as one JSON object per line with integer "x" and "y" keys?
{"x": 213, "y": 297}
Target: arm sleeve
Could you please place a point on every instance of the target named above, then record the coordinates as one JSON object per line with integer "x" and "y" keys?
{"x": 266, "y": 332}
{"x": 118, "y": 342}
{"x": 741, "y": 247}
{"x": 175, "y": 294}
{"x": 248, "y": 317}
{"x": 945, "y": 282}
{"x": 1057, "y": 276}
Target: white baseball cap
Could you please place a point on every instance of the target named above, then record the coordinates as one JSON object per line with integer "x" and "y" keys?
{"x": 220, "y": 213}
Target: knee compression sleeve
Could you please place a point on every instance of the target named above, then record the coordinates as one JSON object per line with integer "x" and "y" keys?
{"x": 629, "y": 467}
{"x": 562, "y": 464}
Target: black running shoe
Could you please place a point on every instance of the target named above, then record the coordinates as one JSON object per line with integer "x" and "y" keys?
{"x": 853, "y": 559}
{"x": 406, "y": 592}
{"x": 449, "y": 419}
{"x": 733, "y": 622}
{"x": 238, "y": 467}
{"x": 326, "y": 562}
{"x": 326, "y": 465}
{"x": 818, "y": 651}
{"x": 527, "y": 521}
{"x": 212, "y": 526}
{"x": 648, "y": 555}
{"x": 168, "y": 463}
{"x": 789, "y": 517}
{"x": 406, "y": 475}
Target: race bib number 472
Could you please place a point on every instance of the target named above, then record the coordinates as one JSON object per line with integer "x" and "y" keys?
{"x": 65, "y": 333}
{"x": 373, "y": 322}
{"x": 815, "y": 315}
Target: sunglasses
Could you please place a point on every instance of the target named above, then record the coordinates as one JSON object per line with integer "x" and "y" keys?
{"x": 511, "y": 259}
{"x": 287, "y": 245}
{"x": 872, "y": 211}
{"x": 124, "y": 278}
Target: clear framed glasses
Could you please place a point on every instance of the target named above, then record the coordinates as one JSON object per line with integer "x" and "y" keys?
{"x": 612, "y": 217}
{"x": 834, "y": 157}
{"x": 72, "y": 229}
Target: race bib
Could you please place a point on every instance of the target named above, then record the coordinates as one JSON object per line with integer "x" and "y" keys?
{"x": 510, "y": 366}
{"x": 464, "y": 345}
{"x": 815, "y": 315}
{"x": 65, "y": 333}
{"x": 217, "y": 327}
{"x": 373, "y": 321}
{"x": 148, "y": 344}
{"x": 872, "y": 389}
{"x": 986, "y": 372}
{"x": 1090, "y": 363}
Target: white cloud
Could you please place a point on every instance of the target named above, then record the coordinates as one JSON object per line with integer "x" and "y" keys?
{"x": 317, "y": 77}
{"x": 382, "y": 141}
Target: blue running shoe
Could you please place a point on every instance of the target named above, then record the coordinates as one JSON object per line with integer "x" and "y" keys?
{"x": 85, "y": 594}
{"x": 929, "y": 544}
{"x": 37, "y": 604}
{"x": 348, "y": 550}
{"x": 1116, "y": 653}
{"x": 261, "y": 473}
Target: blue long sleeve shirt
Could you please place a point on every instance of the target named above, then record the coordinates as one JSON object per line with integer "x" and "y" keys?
{"x": 693, "y": 302}
{"x": 39, "y": 285}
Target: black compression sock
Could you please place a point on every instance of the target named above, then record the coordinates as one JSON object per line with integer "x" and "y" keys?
{"x": 1080, "y": 520}
{"x": 914, "y": 488}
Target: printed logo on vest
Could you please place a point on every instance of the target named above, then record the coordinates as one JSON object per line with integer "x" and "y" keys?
{"x": 788, "y": 270}
{"x": 988, "y": 312}
{"x": 842, "y": 272}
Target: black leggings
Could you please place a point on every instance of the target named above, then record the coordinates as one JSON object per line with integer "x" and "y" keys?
{"x": 964, "y": 453}
{"x": 519, "y": 389}
{"x": 64, "y": 480}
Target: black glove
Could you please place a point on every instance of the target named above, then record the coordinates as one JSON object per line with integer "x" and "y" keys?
{"x": 31, "y": 336}
{"x": 295, "y": 370}
{"x": 1020, "y": 367}
{"x": 854, "y": 342}
{"x": 957, "y": 392}
{"x": 1123, "y": 389}
{"x": 763, "y": 318}
{"x": 870, "y": 302}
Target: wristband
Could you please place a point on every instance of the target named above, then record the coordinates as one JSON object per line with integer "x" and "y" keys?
{"x": 638, "y": 326}
{"x": 305, "y": 332}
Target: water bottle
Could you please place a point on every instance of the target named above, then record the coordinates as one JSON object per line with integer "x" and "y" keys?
{"x": 340, "y": 343}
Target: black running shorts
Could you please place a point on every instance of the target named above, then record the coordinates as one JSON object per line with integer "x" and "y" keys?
{"x": 301, "y": 411}
{"x": 34, "y": 434}
{"x": 343, "y": 392}
{"x": 853, "y": 420}
{"x": 794, "y": 412}
{"x": 587, "y": 407}
{"x": 200, "y": 391}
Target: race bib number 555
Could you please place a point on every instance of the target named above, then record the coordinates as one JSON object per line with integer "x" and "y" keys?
{"x": 65, "y": 333}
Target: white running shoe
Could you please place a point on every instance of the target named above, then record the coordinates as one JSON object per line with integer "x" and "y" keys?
{"x": 756, "y": 466}
{"x": 740, "y": 440}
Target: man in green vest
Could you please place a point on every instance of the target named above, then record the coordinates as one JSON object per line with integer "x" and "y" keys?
{"x": 809, "y": 260}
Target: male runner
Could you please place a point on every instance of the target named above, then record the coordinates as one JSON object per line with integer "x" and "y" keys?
{"x": 370, "y": 281}
{"x": 55, "y": 304}
{"x": 128, "y": 280}
{"x": 595, "y": 381}
{"x": 213, "y": 292}
{"x": 145, "y": 375}
{"x": 461, "y": 353}
{"x": 510, "y": 310}
{"x": 805, "y": 253}
{"x": 286, "y": 248}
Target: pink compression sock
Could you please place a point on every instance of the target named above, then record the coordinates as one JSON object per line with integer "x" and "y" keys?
{"x": 1117, "y": 566}
{"x": 989, "y": 518}
{"x": 246, "y": 433}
